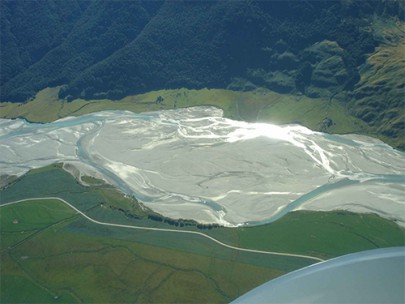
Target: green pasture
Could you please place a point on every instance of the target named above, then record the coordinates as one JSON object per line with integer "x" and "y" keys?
{"x": 54, "y": 181}
{"x": 74, "y": 259}
{"x": 311, "y": 112}
{"x": 92, "y": 180}
{"x": 259, "y": 105}
{"x": 321, "y": 234}
{"x": 33, "y": 214}
{"x": 324, "y": 234}
{"x": 49, "y": 251}
{"x": 20, "y": 289}
{"x": 24, "y": 219}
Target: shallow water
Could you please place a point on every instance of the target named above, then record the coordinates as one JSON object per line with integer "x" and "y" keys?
{"x": 193, "y": 163}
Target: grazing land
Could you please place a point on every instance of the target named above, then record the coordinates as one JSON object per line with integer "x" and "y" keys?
{"x": 259, "y": 105}
{"x": 58, "y": 255}
{"x": 65, "y": 258}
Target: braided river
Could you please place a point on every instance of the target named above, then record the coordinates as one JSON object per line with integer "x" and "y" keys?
{"x": 195, "y": 164}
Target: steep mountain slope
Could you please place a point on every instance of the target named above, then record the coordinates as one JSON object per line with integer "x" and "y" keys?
{"x": 30, "y": 29}
{"x": 379, "y": 97}
{"x": 116, "y": 48}
{"x": 210, "y": 44}
{"x": 96, "y": 30}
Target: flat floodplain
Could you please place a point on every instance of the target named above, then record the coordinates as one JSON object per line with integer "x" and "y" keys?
{"x": 67, "y": 257}
{"x": 71, "y": 258}
{"x": 325, "y": 234}
{"x": 51, "y": 252}
{"x": 195, "y": 164}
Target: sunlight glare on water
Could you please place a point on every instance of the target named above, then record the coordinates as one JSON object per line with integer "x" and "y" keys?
{"x": 193, "y": 163}
{"x": 288, "y": 133}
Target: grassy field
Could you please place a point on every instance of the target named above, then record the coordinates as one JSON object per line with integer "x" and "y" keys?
{"x": 19, "y": 224}
{"x": 52, "y": 254}
{"x": 55, "y": 255}
{"x": 260, "y": 105}
{"x": 66, "y": 258}
{"x": 22, "y": 221}
{"x": 324, "y": 234}
{"x": 302, "y": 232}
{"x": 311, "y": 113}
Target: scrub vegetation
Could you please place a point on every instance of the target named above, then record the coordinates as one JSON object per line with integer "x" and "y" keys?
{"x": 53, "y": 254}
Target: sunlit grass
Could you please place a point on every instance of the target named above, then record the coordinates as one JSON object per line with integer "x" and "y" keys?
{"x": 260, "y": 105}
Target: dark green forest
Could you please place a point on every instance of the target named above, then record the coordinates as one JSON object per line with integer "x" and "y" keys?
{"x": 111, "y": 49}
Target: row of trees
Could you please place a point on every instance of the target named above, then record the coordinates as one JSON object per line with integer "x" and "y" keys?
{"x": 181, "y": 222}
{"x": 162, "y": 219}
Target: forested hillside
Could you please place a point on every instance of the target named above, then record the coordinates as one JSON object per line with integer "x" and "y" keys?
{"x": 111, "y": 49}
{"x": 47, "y": 43}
